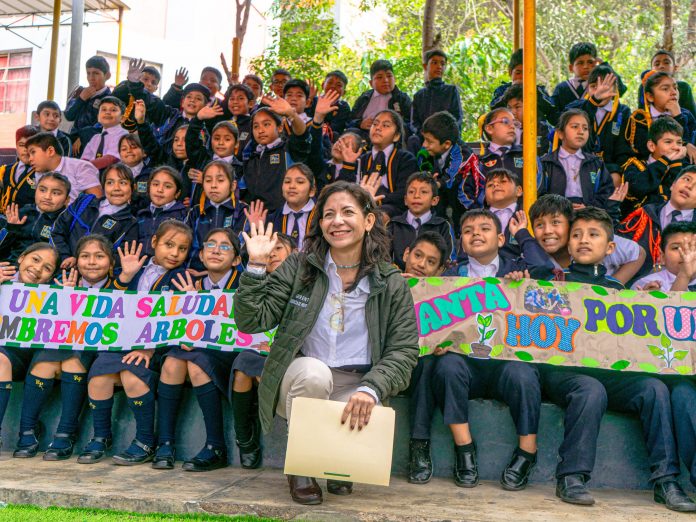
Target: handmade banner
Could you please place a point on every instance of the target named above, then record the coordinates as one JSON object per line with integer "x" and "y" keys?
{"x": 563, "y": 324}
{"x": 65, "y": 318}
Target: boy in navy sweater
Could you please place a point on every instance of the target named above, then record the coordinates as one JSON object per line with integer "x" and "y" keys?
{"x": 50, "y": 116}
{"x": 512, "y": 99}
{"x": 436, "y": 95}
{"x": 17, "y": 180}
{"x": 337, "y": 120}
{"x": 582, "y": 58}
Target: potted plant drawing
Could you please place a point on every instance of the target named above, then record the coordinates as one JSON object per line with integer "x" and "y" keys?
{"x": 481, "y": 349}
{"x": 667, "y": 353}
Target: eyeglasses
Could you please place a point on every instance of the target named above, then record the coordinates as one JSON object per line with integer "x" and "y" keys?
{"x": 279, "y": 82}
{"x": 337, "y": 318}
{"x": 212, "y": 245}
{"x": 504, "y": 121}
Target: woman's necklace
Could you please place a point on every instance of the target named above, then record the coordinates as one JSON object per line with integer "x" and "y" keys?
{"x": 348, "y": 267}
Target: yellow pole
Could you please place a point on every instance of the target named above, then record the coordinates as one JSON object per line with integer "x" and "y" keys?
{"x": 54, "y": 50}
{"x": 118, "y": 48}
{"x": 529, "y": 114}
{"x": 515, "y": 24}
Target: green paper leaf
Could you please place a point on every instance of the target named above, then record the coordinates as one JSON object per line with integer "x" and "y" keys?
{"x": 680, "y": 355}
{"x": 524, "y": 356}
{"x": 600, "y": 290}
{"x": 647, "y": 367}
{"x": 665, "y": 341}
{"x": 544, "y": 283}
{"x": 465, "y": 348}
{"x": 497, "y": 350}
{"x": 556, "y": 360}
{"x": 445, "y": 344}
{"x": 424, "y": 351}
{"x": 589, "y": 362}
{"x": 658, "y": 294}
{"x": 655, "y": 350}
{"x": 620, "y": 365}
{"x": 492, "y": 280}
{"x": 412, "y": 281}
{"x": 461, "y": 281}
{"x": 688, "y": 296}
{"x": 627, "y": 294}
{"x": 488, "y": 335}
{"x": 516, "y": 284}
{"x": 434, "y": 281}
{"x": 683, "y": 370}
{"x": 573, "y": 287}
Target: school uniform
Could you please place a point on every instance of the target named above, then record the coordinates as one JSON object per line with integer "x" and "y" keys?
{"x": 82, "y": 175}
{"x": 567, "y": 92}
{"x": 64, "y": 141}
{"x": 84, "y": 113}
{"x": 141, "y": 175}
{"x": 546, "y": 110}
{"x": 151, "y": 217}
{"x": 371, "y": 102}
{"x": 14, "y": 239}
{"x": 545, "y": 133}
{"x": 404, "y": 228}
{"x": 645, "y": 225}
{"x": 294, "y": 224}
{"x": 686, "y": 96}
{"x": 455, "y": 168}
{"x": 18, "y": 185}
{"x": 319, "y": 158}
{"x": 92, "y": 215}
{"x": 494, "y": 156}
{"x": 639, "y": 124}
{"x": 245, "y": 134}
{"x": 586, "y": 394}
{"x": 650, "y": 181}
{"x": 609, "y": 123}
{"x": 435, "y": 96}
{"x": 104, "y": 144}
{"x": 20, "y": 358}
{"x": 335, "y": 122}
{"x": 581, "y": 177}
{"x": 207, "y": 216}
{"x": 395, "y": 165}
{"x": 265, "y": 167}
{"x": 510, "y": 248}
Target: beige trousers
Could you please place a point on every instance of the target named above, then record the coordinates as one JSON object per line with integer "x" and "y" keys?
{"x": 309, "y": 377}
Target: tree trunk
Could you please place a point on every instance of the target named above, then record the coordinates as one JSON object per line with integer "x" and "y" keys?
{"x": 430, "y": 40}
{"x": 687, "y": 54}
{"x": 667, "y": 40}
{"x": 242, "y": 19}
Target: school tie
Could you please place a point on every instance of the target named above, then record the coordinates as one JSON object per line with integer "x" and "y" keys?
{"x": 156, "y": 213}
{"x": 503, "y": 151}
{"x": 676, "y": 214}
{"x": 100, "y": 147}
{"x": 215, "y": 287}
{"x": 417, "y": 223}
{"x": 296, "y": 226}
{"x": 380, "y": 162}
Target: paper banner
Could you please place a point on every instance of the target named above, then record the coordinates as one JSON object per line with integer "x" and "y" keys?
{"x": 43, "y": 316}
{"x": 563, "y": 324}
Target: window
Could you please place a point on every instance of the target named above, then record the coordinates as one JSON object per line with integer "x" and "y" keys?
{"x": 15, "y": 67}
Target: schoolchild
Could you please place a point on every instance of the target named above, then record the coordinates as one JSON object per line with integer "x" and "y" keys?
{"x": 336, "y": 121}
{"x": 278, "y": 80}
{"x": 323, "y": 154}
{"x": 663, "y": 61}
{"x": 512, "y": 99}
{"x": 582, "y": 58}
{"x": 110, "y": 216}
{"x": 255, "y": 83}
{"x": 95, "y": 263}
{"x": 50, "y": 116}
{"x": 296, "y": 93}
{"x": 135, "y": 370}
{"x": 134, "y": 157}
{"x": 18, "y": 180}
{"x": 208, "y": 370}
{"x": 35, "y": 265}
{"x": 503, "y": 193}
{"x": 103, "y": 149}
{"x": 167, "y": 121}
{"x": 151, "y": 78}
{"x": 240, "y": 102}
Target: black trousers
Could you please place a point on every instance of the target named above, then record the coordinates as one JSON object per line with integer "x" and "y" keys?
{"x": 422, "y": 400}
{"x": 684, "y": 413}
{"x": 457, "y": 378}
{"x": 586, "y": 395}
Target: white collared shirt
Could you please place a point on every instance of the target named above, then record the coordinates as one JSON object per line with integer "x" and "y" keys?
{"x": 476, "y": 269}
{"x": 218, "y": 205}
{"x": 411, "y": 219}
{"x": 387, "y": 152}
{"x": 442, "y": 160}
{"x": 208, "y": 283}
{"x": 378, "y": 103}
{"x": 626, "y": 251}
{"x": 82, "y": 175}
{"x": 504, "y": 215}
{"x": 666, "y": 215}
{"x": 136, "y": 170}
{"x": 571, "y": 165}
{"x": 151, "y": 273}
{"x": 341, "y": 311}
{"x": 263, "y": 148}
{"x": 601, "y": 111}
{"x": 303, "y": 220}
{"x": 19, "y": 170}
{"x": 99, "y": 284}
{"x": 664, "y": 277}
{"x": 166, "y": 206}
{"x": 577, "y": 83}
{"x": 657, "y": 114}
{"x": 495, "y": 148}
{"x": 111, "y": 139}
{"x": 226, "y": 159}
{"x": 107, "y": 209}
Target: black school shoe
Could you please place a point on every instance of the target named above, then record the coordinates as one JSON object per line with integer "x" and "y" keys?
{"x": 671, "y": 494}
{"x": 28, "y": 444}
{"x": 137, "y": 453}
{"x": 165, "y": 456}
{"x": 95, "y": 450}
{"x": 516, "y": 475}
{"x": 573, "y": 490}
{"x": 61, "y": 448}
{"x": 208, "y": 459}
{"x": 250, "y": 452}
{"x": 465, "y": 467}
{"x": 420, "y": 465}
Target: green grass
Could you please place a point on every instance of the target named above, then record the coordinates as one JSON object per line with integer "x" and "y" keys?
{"x": 21, "y": 513}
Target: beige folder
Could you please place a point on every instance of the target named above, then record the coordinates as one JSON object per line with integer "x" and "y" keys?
{"x": 320, "y": 446}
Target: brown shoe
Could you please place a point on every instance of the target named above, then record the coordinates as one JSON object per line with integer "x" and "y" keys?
{"x": 304, "y": 490}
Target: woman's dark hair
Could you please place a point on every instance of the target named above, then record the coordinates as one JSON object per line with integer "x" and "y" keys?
{"x": 398, "y": 121}
{"x": 376, "y": 243}
{"x": 106, "y": 246}
{"x": 305, "y": 171}
{"x": 122, "y": 170}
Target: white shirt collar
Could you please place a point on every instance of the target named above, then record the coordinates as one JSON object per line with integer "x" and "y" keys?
{"x": 98, "y": 284}
{"x": 166, "y": 206}
{"x": 137, "y": 169}
{"x": 107, "y": 208}
{"x": 564, "y": 154}
{"x": 226, "y": 159}
{"x": 387, "y": 151}
{"x": 489, "y": 270}
{"x": 656, "y": 114}
{"x": 262, "y": 148}
{"x": 218, "y": 205}
{"x": 412, "y": 219}
{"x": 100, "y": 91}
{"x": 495, "y": 148}
{"x": 154, "y": 267}
{"x": 332, "y": 271}
{"x": 208, "y": 283}
{"x": 307, "y": 208}
{"x": 511, "y": 208}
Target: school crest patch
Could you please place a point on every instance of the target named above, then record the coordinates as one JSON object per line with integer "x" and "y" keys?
{"x": 616, "y": 128}
{"x": 228, "y": 222}
{"x": 593, "y": 176}
{"x": 109, "y": 224}
{"x": 491, "y": 163}
{"x": 274, "y": 159}
{"x": 142, "y": 187}
{"x": 518, "y": 163}
{"x": 243, "y": 136}
{"x": 46, "y": 232}
{"x": 31, "y": 182}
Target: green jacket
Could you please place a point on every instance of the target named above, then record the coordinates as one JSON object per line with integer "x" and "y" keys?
{"x": 280, "y": 299}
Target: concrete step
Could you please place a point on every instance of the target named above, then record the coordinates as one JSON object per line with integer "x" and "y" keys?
{"x": 621, "y": 456}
